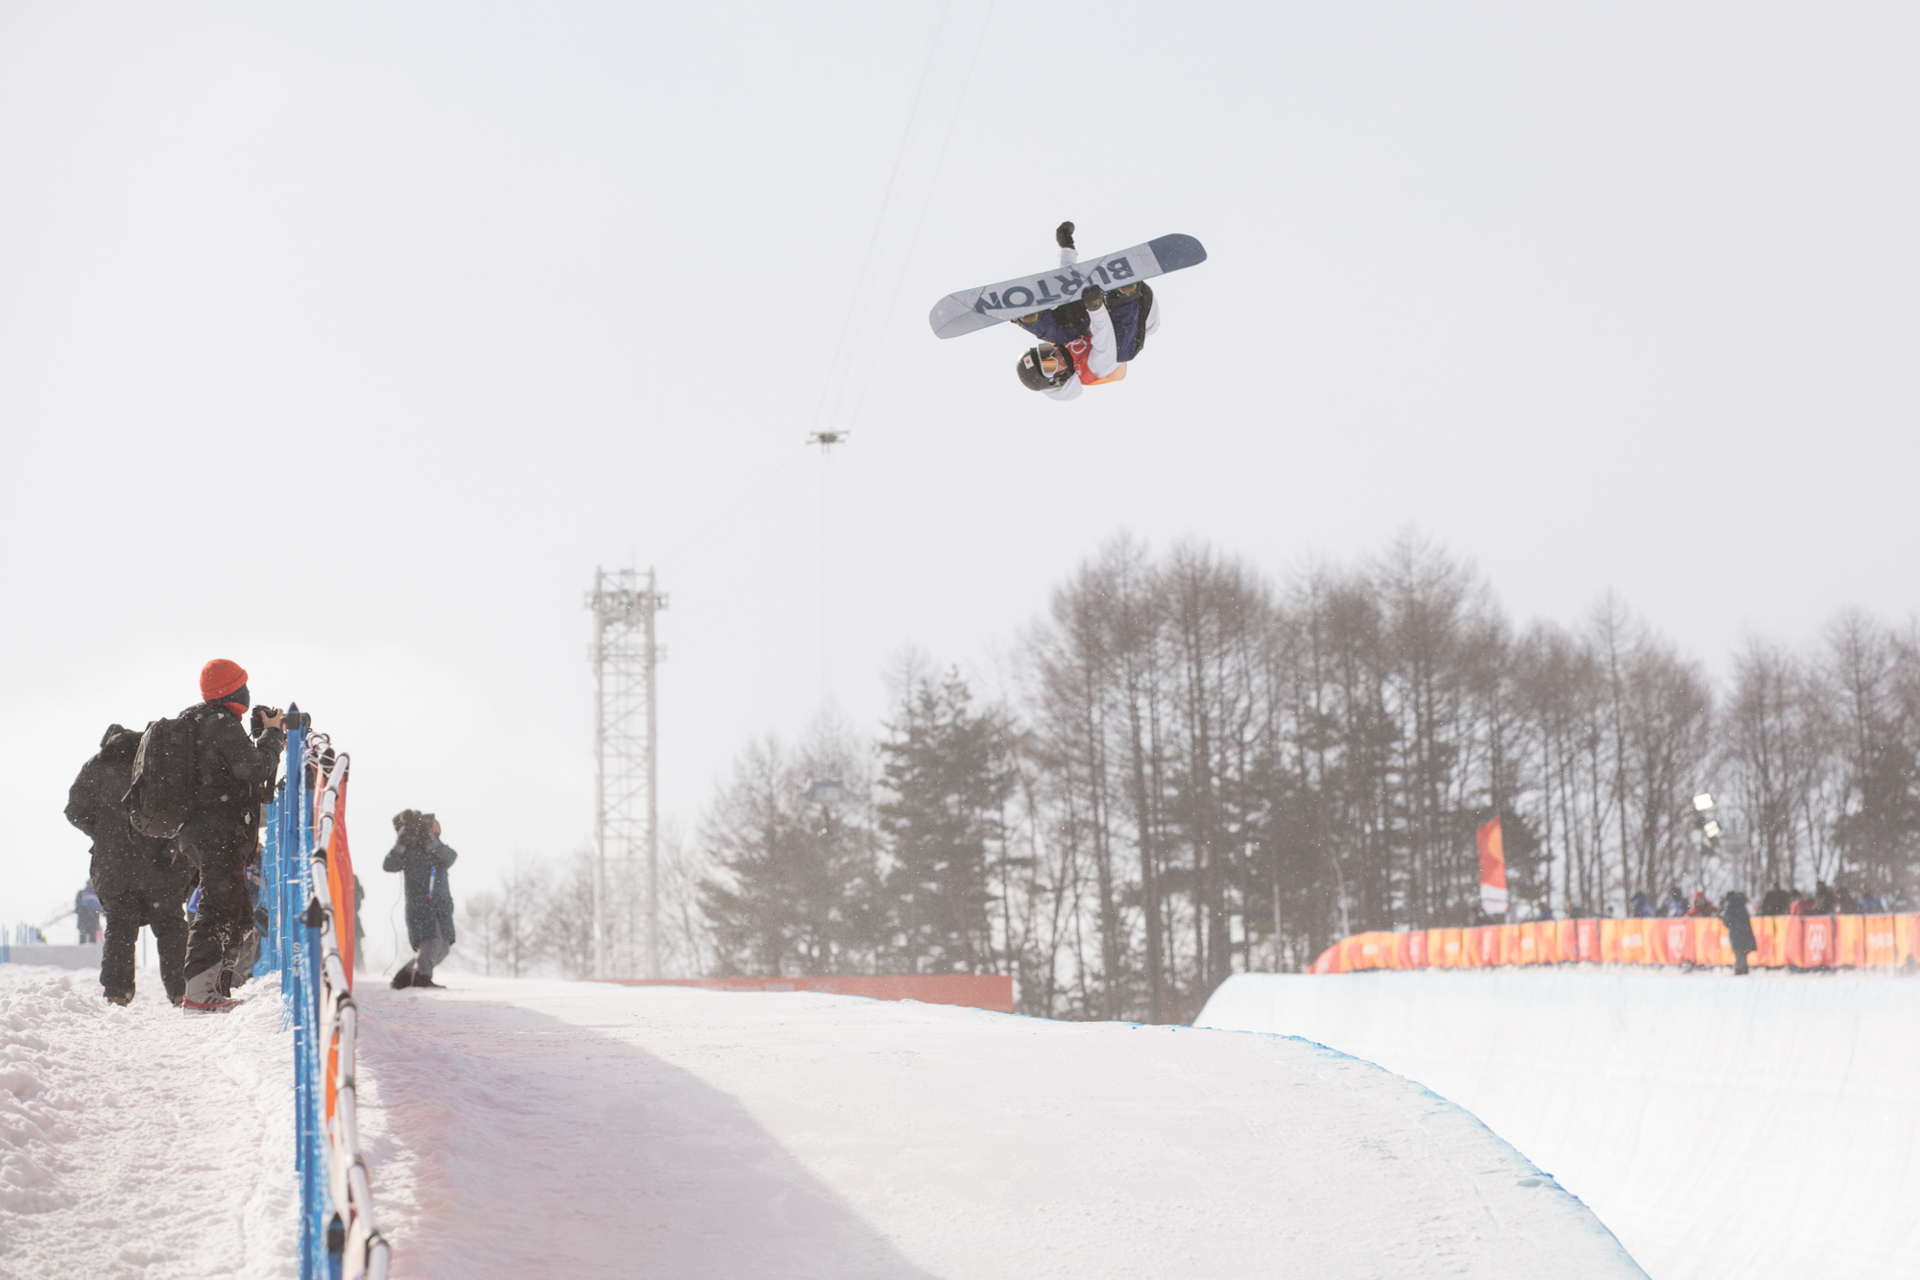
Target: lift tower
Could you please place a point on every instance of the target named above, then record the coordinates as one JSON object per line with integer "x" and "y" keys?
{"x": 626, "y": 736}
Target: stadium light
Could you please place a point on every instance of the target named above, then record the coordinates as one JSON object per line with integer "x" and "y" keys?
{"x": 1705, "y": 818}
{"x": 828, "y": 791}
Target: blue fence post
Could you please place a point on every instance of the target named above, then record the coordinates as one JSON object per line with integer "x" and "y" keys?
{"x": 264, "y": 963}
{"x": 295, "y": 949}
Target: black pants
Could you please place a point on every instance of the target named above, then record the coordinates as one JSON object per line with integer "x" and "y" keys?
{"x": 226, "y": 909}
{"x": 430, "y": 953}
{"x": 158, "y": 908}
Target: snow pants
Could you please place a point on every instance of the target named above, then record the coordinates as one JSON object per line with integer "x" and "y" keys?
{"x": 431, "y": 953}
{"x": 158, "y": 908}
{"x": 226, "y": 908}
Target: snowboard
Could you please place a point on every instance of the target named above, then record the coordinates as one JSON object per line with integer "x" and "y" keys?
{"x": 972, "y": 309}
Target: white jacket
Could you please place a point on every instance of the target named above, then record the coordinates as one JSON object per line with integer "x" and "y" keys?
{"x": 1103, "y": 359}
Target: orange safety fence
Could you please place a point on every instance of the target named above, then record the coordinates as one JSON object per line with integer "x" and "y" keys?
{"x": 1780, "y": 942}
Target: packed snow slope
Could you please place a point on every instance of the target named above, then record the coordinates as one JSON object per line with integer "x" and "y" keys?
{"x": 581, "y": 1129}
{"x": 1759, "y": 1126}
{"x": 141, "y": 1141}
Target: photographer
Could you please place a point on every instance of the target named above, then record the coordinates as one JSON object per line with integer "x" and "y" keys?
{"x": 420, "y": 857}
{"x": 135, "y": 877}
{"x": 234, "y": 776}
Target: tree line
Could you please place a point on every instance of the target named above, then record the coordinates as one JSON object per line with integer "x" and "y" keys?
{"x": 1199, "y": 770}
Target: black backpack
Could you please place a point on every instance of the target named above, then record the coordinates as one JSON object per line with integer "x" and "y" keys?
{"x": 164, "y": 771}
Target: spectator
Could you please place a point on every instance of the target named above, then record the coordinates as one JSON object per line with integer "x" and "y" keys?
{"x": 1733, "y": 911}
{"x": 423, "y": 860}
{"x": 86, "y": 913}
{"x": 1675, "y": 904}
{"x": 1775, "y": 902}
{"x": 1846, "y": 903}
{"x": 359, "y": 924}
{"x": 1641, "y": 908}
{"x": 1870, "y": 904}
{"x": 1703, "y": 906}
{"x": 1824, "y": 901}
{"x": 221, "y": 836}
{"x": 135, "y": 878}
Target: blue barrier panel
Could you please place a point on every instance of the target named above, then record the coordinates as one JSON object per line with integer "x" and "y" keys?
{"x": 293, "y": 952}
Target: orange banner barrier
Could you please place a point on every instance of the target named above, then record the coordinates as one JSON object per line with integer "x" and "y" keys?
{"x": 1780, "y": 942}
{"x": 991, "y": 991}
{"x": 1879, "y": 944}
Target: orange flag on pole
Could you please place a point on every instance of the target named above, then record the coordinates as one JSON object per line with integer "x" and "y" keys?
{"x": 1493, "y": 870}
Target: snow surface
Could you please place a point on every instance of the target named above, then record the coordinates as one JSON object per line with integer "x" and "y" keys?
{"x": 142, "y": 1141}
{"x": 1757, "y": 1126}
{"x": 535, "y": 1128}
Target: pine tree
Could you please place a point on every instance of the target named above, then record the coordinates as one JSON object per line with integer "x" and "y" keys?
{"x": 947, "y": 777}
{"x": 794, "y": 889}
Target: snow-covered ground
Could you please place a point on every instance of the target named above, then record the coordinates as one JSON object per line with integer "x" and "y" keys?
{"x": 139, "y": 1141}
{"x": 553, "y": 1128}
{"x": 1759, "y": 1126}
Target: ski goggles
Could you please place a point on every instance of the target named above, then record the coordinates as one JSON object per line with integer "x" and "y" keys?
{"x": 1054, "y": 361}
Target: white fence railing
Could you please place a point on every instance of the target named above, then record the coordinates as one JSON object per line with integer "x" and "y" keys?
{"x": 304, "y": 897}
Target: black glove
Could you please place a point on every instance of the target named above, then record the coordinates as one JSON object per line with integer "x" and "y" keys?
{"x": 1094, "y": 297}
{"x": 1063, "y": 235}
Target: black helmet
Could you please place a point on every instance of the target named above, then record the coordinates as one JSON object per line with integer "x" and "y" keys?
{"x": 1031, "y": 375}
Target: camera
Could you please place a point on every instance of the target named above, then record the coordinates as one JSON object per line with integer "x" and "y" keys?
{"x": 291, "y": 719}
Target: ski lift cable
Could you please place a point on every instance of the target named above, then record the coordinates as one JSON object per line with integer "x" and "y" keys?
{"x": 842, "y": 370}
{"x": 842, "y": 358}
{"x": 926, "y": 202}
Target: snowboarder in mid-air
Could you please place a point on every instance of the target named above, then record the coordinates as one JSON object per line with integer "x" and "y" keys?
{"x": 1089, "y": 342}
{"x": 1091, "y": 316}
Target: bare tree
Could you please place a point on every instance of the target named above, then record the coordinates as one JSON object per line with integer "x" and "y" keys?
{"x": 564, "y": 923}
{"x": 517, "y": 938}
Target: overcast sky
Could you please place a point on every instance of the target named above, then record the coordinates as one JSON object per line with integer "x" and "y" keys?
{"x": 345, "y": 341}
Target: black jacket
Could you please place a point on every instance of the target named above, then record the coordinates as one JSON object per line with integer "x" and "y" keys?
{"x": 123, "y": 859}
{"x": 429, "y": 897}
{"x": 1733, "y": 911}
{"x": 236, "y": 776}
{"x": 1775, "y": 902}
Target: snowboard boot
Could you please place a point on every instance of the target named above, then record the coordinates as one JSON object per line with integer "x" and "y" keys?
{"x": 219, "y": 1004}
{"x": 404, "y": 976}
{"x": 419, "y": 981}
{"x": 203, "y": 988}
{"x": 117, "y": 998}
